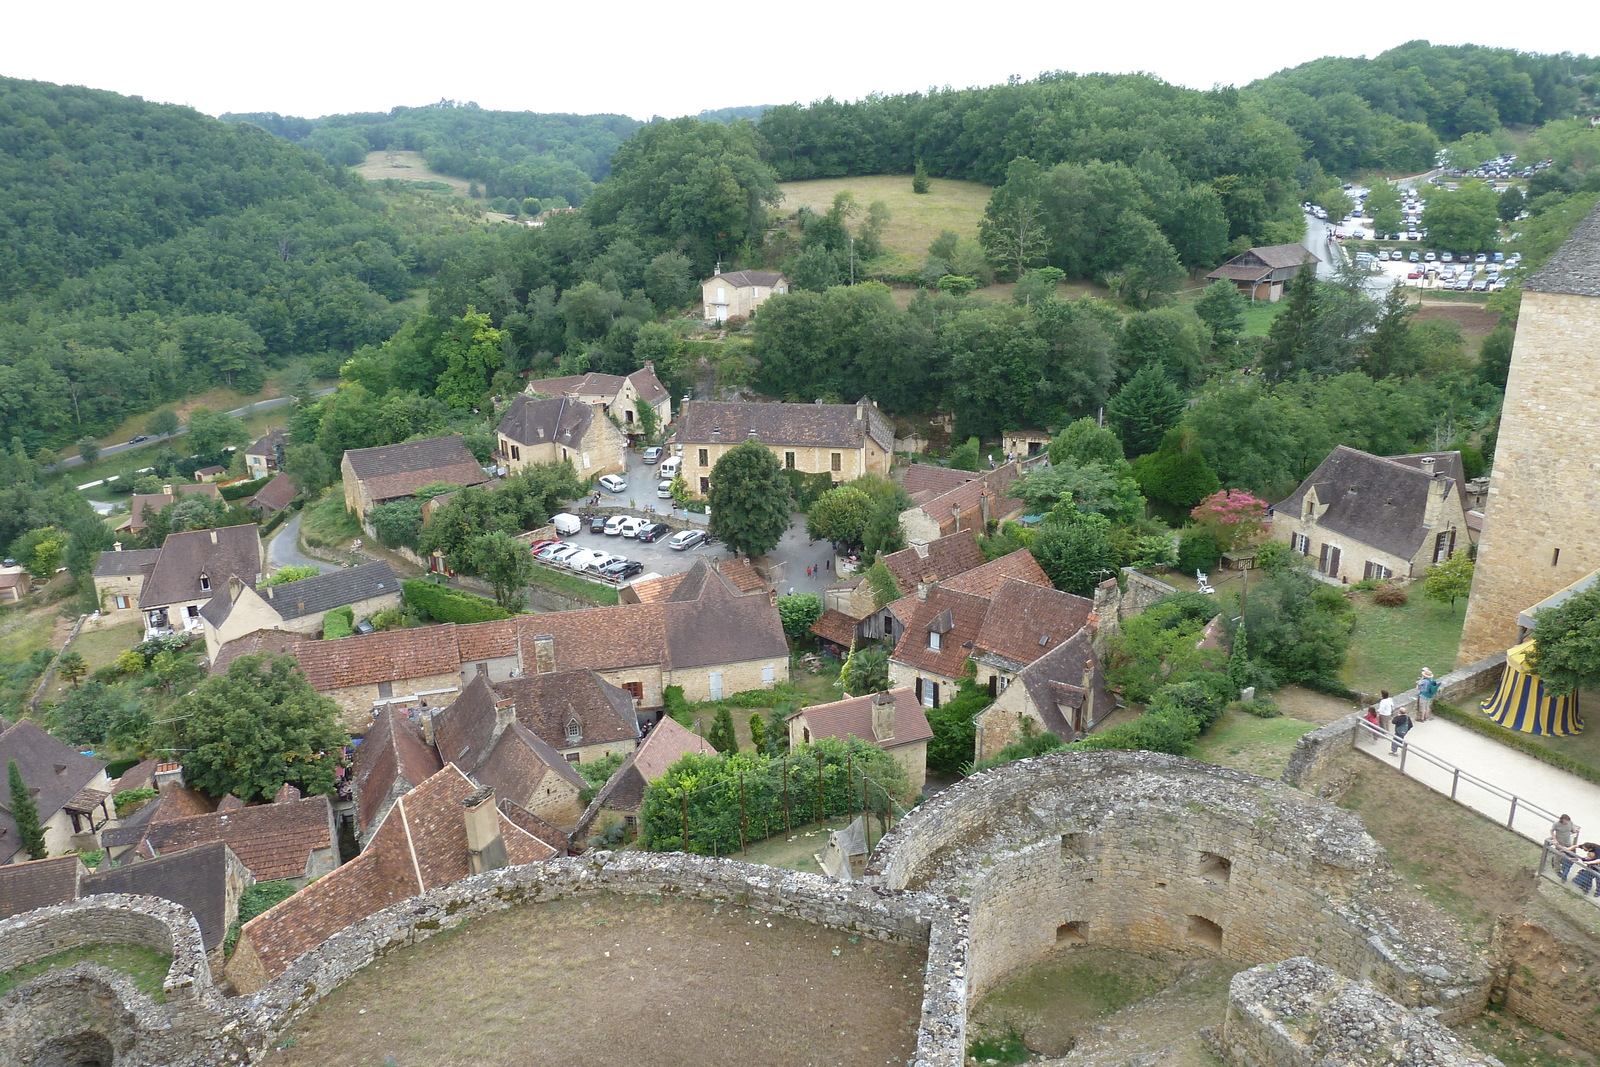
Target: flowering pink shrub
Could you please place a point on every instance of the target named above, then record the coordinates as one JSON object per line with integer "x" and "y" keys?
{"x": 1232, "y": 516}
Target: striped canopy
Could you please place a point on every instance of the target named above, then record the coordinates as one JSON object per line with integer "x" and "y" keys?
{"x": 1523, "y": 703}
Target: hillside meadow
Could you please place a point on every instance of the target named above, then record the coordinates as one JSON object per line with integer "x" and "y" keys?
{"x": 914, "y": 220}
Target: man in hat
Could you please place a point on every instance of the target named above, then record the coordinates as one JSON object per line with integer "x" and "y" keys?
{"x": 1427, "y": 689}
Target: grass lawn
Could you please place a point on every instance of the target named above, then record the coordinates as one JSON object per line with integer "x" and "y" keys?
{"x": 796, "y": 851}
{"x": 1259, "y": 317}
{"x": 407, "y": 167}
{"x": 147, "y": 967}
{"x": 98, "y": 649}
{"x": 914, "y": 220}
{"x": 326, "y": 524}
{"x": 1246, "y": 743}
{"x": 572, "y": 586}
{"x": 22, "y": 633}
{"x": 1392, "y": 645}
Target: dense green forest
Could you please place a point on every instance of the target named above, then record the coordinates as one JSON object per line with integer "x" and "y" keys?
{"x": 148, "y": 251}
{"x": 512, "y": 154}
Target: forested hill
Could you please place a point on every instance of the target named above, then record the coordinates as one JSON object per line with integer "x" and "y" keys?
{"x": 1394, "y": 111}
{"x": 147, "y": 251}
{"x": 516, "y": 154}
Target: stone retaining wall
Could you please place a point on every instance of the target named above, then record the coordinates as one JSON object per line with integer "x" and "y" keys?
{"x": 1314, "y": 753}
{"x": 1550, "y": 965}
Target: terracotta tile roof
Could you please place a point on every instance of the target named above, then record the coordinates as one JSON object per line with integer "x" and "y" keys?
{"x": 628, "y": 635}
{"x": 957, "y": 617}
{"x": 392, "y": 759}
{"x": 422, "y": 845}
{"x": 837, "y": 627}
{"x": 38, "y": 884}
{"x": 545, "y": 704}
{"x": 742, "y": 575}
{"x": 391, "y": 656}
{"x": 228, "y": 552}
{"x": 276, "y": 494}
{"x": 562, "y": 420}
{"x": 657, "y": 589}
{"x": 812, "y": 425}
{"x": 53, "y": 772}
{"x": 127, "y": 562}
{"x": 146, "y": 504}
{"x": 196, "y": 877}
{"x": 946, "y": 557}
{"x": 984, "y": 581}
{"x": 968, "y": 498}
{"x": 273, "y": 840}
{"x": 665, "y": 745}
{"x": 853, "y": 718}
{"x": 324, "y": 592}
{"x": 480, "y": 641}
{"x": 174, "y": 802}
{"x": 593, "y": 383}
{"x": 521, "y": 817}
{"x": 1375, "y": 501}
{"x": 1024, "y": 621}
{"x": 747, "y": 279}
{"x": 392, "y": 471}
{"x": 280, "y": 642}
{"x": 932, "y": 480}
{"x": 1057, "y": 680}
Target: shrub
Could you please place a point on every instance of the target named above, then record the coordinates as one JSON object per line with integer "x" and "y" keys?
{"x": 1198, "y": 551}
{"x": 129, "y": 799}
{"x": 675, "y": 706}
{"x": 443, "y": 604}
{"x": 1390, "y": 596}
{"x": 240, "y": 490}
{"x": 340, "y": 622}
{"x": 1260, "y": 707}
{"x": 388, "y": 619}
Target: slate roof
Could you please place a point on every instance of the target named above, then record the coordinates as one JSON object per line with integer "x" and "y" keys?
{"x": 280, "y": 642}
{"x": 1446, "y": 463}
{"x": 853, "y": 718}
{"x": 722, "y": 627}
{"x": 228, "y": 552}
{"x": 666, "y": 744}
{"x": 545, "y": 704}
{"x": 277, "y": 494}
{"x": 557, "y": 838}
{"x": 53, "y": 772}
{"x": 273, "y": 840}
{"x": 196, "y": 877}
{"x": 422, "y": 845}
{"x": 814, "y": 425}
{"x": 956, "y": 616}
{"x": 336, "y": 588}
{"x": 986, "y": 580}
{"x": 1375, "y": 501}
{"x": 38, "y": 884}
{"x": 267, "y": 445}
{"x": 392, "y": 471}
{"x": 520, "y": 765}
{"x": 1024, "y": 621}
{"x": 1056, "y": 679}
{"x": 382, "y": 657}
{"x": 392, "y": 754}
{"x": 647, "y": 385}
{"x": 745, "y": 279}
{"x": 530, "y": 421}
{"x": 947, "y": 557}
{"x": 1575, "y": 268}
{"x": 149, "y": 503}
{"x": 127, "y": 562}
{"x": 736, "y": 576}
{"x": 1259, "y": 262}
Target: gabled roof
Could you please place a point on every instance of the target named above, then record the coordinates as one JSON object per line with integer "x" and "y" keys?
{"x": 591, "y": 384}
{"x": 1024, "y": 621}
{"x": 969, "y": 495}
{"x": 545, "y": 704}
{"x": 957, "y": 617}
{"x": 196, "y": 877}
{"x": 946, "y": 557}
{"x": 520, "y": 764}
{"x": 38, "y": 884}
{"x": 336, "y": 588}
{"x": 925, "y": 478}
{"x": 391, "y": 471}
{"x": 647, "y": 385}
{"x": 174, "y": 801}
{"x": 561, "y": 420}
{"x": 393, "y": 754}
{"x": 1056, "y": 680}
{"x": 1575, "y": 267}
{"x": 128, "y": 562}
{"x": 277, "y": 494}
{"x": 841, "y": 426}
{"x": 391, "y": 656}
{"x": 658, "y": 589}
{"x": 54, "y": 773}
{"x": 422, "y": 845}
{"x": 279, "y": 642}
{"x": 1378, "y": 502}
{"x": 267, "y": 445}
{"x": 723, "y": 627}
{"x": 666, "y": 744}
{"x": 273, "y": 840}
{"x": 835, "y": 626}
{"x": 557, "y": 838}
{"x": 986, "y": 580}
{"x": 1259, "y": 262}
{"x": 228, "y": 552}
{"x": 745, "y": 279}
{"x": 853, "y": 718}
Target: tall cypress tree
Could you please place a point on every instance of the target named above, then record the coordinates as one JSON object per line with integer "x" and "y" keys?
{"x": 26, "y": 814}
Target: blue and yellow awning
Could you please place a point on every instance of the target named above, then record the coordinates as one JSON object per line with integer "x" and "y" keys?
{"x": 1523, "y": 703}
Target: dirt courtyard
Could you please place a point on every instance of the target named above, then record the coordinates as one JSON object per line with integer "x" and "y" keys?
{"x": 604, "y": 979}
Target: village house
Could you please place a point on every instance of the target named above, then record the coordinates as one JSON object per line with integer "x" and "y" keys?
{"x": 71, "y": 791}
{"x": 843, "y": 441}
{"x": 274, "y": 496}
{"x": 1365, "y": 517}
{"x": 1063, "y": 691}
{"x": 118, "y": 577}
{"x": 620, "y": 799}
{"x": 188, "y": 570}
{"x": 173, "y": 800}
{"x": 265, "y": 456}
{"x": 624, "y": 398}
{"x": 362, "y": 673}
{"x": 382, "y": 475}
{"x": 560, "y": 429}
{"x": 737, "y": 294}
{"x": 393, "y": 759}
{"x": 946, "y": 501}
{"x": 439, "y": 832}
{"x": 894, "y": 721}
{"x": 292, "y": 838}
{"x": 1262, "y": 273}
{"x": 298, "y": 607}
{"x": 146, "y": 504}
{"x": 15, "y": 583}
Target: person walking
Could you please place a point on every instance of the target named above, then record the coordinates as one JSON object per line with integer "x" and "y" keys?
{"x": 1385, "y": 710}
{"x": 1370, "y": 721}
{"x": 1427, "y": 689}
{"x": 1402, "y": 726}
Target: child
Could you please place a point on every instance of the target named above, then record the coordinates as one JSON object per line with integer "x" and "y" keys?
{"x": 1372, "y": 726}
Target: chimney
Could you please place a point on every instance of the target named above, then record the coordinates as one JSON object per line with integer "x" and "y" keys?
{"x": 167, "y": 489}
{"x": 922, "y": 590}
{"x": 986, "y": 507}
{"x": 505, "y": 710}
{"x": 168, "y": 772}
{"x": 213, "y": 536}
{"x": 116, "y": 546}
{"x": 1427, "y": 465}
{"x": 544, "y": 654}
{"x": 882, "y": 717}
{"x": 486, "y": 849}
{"x": 955, "y": 514}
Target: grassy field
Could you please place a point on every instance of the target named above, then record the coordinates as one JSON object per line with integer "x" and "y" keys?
{"x": 326, "y": 524}
{"x": 22, "y": 633}
{"x": 1392, "y": 645}
{"x": 1259, "y": 317}
{"x": 407, "y": 167}
{"x": 1246, "y": 743}
{"x": 147, "y": 967}
{"x": 98, "y": 649}
{"x": 914, "y": 220}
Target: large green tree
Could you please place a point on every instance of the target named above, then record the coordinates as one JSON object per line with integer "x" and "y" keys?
{"x": 1566, "y": 641}
{"x": 840, "y": 515}
{"x": 749, "y": 499}
{"x": 260, "y": 725}
{"x": 1145, "y": 409}
{"x": 1467, "y": 219}
{"x": 25, "y": 813}
{"x": 504, "y": 562}
{"x": 1076, "y": 556}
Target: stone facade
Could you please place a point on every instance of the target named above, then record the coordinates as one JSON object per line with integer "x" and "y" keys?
{"x": 1543, "y": 494}
{"x": 716, "y": 682}
{"x": 357, "y": 701}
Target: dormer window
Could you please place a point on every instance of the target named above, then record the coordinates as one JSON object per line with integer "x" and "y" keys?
{"x": 935, "y": 641}
{"x": 205, "y": 583}
{"x": 574, "y": 731}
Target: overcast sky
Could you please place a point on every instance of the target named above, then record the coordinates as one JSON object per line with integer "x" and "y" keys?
{"x": 301, "y": 58}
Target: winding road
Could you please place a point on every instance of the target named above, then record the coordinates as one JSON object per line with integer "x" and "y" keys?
{"x": 284, "y": 549}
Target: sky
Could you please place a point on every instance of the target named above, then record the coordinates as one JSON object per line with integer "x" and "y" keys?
{"x": 301, "y": 58}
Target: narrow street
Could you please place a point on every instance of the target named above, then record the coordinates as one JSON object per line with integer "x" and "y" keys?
{"x": 283, "y": 550}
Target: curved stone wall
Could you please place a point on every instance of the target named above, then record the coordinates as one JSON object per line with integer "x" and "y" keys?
{"x": 1145, "y": 851}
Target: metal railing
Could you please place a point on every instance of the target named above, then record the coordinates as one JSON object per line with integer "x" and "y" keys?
{"x": 1567, "y": 870}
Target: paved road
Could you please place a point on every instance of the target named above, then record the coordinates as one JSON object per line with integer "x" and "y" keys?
{"x": 284, "y": 549}
{"x": 1317, "y": 239}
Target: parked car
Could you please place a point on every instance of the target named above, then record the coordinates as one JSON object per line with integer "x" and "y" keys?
{"x": 664, "y": 489}
{"x": 670, "y": 465}
{"x": 585, "y": 558}
{"x": 632, "y": 526}
{"x": 597, "y": 524}
{"x": 606, "y": 559}
{"x": 614, "y": 524}
{"x": 544, "y": 554}
{"x": 1481, "y": 257}
{"x": 652, "y": 454}
{"x": 621, "y": 570}
{"x": 686, "y": 539}
{"x": 562, "y": 554}
{"x": 1415, "y": 257}
{"x": 613, "y": 483}
{"x": 654, "y": 532}
{"x": 538, "y": 546}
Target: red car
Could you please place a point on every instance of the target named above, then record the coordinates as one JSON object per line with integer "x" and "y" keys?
{"x": 1414, "y": 275}
{"x": 537, "y": 545}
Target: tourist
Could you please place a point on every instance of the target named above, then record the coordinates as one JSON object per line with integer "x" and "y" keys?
{"x": 1385, "y": 710}
{"x": 1563, "y": 833}
{"x": 1371, "y": 727}
{"x": 1588, "y": 868}
{"x": 1402, "y": 726}
{"x": 1427, "y": 689}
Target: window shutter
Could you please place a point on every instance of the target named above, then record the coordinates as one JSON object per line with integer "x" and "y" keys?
{"x": 919, "y": 690}
{"x": 935, "y": 694}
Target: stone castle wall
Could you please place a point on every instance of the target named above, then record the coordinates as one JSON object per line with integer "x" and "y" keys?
{"x": 1544, "y": 492}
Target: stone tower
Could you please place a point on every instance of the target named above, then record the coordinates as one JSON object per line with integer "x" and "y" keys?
{"x": 1544, "y": 493}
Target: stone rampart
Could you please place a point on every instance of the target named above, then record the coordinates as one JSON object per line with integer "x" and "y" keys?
{"x": 1150, "y": 852}
{"x": 1315, "y": 753}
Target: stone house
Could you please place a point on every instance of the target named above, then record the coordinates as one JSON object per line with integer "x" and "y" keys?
{"x": 843, "y": 441}
{"x": 552, "y": 430}
{"x": 297, "y": 607}
{"x": 623, "y": 794}
{"x": 292, "y": 838}
{"x": 146, "y": 504}
{"x": 1020, "y": 444}
{"x": 382, "y": 475}
{"x": 1262, "y": 273}
{"x": 1063, "y": 691}
{"x": 737, "y": 294}
{"x": 274, "y": 496}
{"x": 393, "y": 759}
{"x": 439, "y": 832}
{"x": 118, "y": 577}
{"x": 953, "y": 501}
{"x": 1364, "y": 517}
{"x": 71, "y": 791}
{"x": 622, "y": 397}
{"x": 894, "y": 721}
{"x": 15, "y": 583}
{"x": 261, "y": 458}
{"x": 171, "y": 584}
{"x": 362, "y": 673}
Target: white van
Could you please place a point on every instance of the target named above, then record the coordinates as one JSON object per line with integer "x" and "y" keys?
{"x": 664, "y": 489}
{"x": 566, "y": 524}
{"x": 669, "y": 467}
